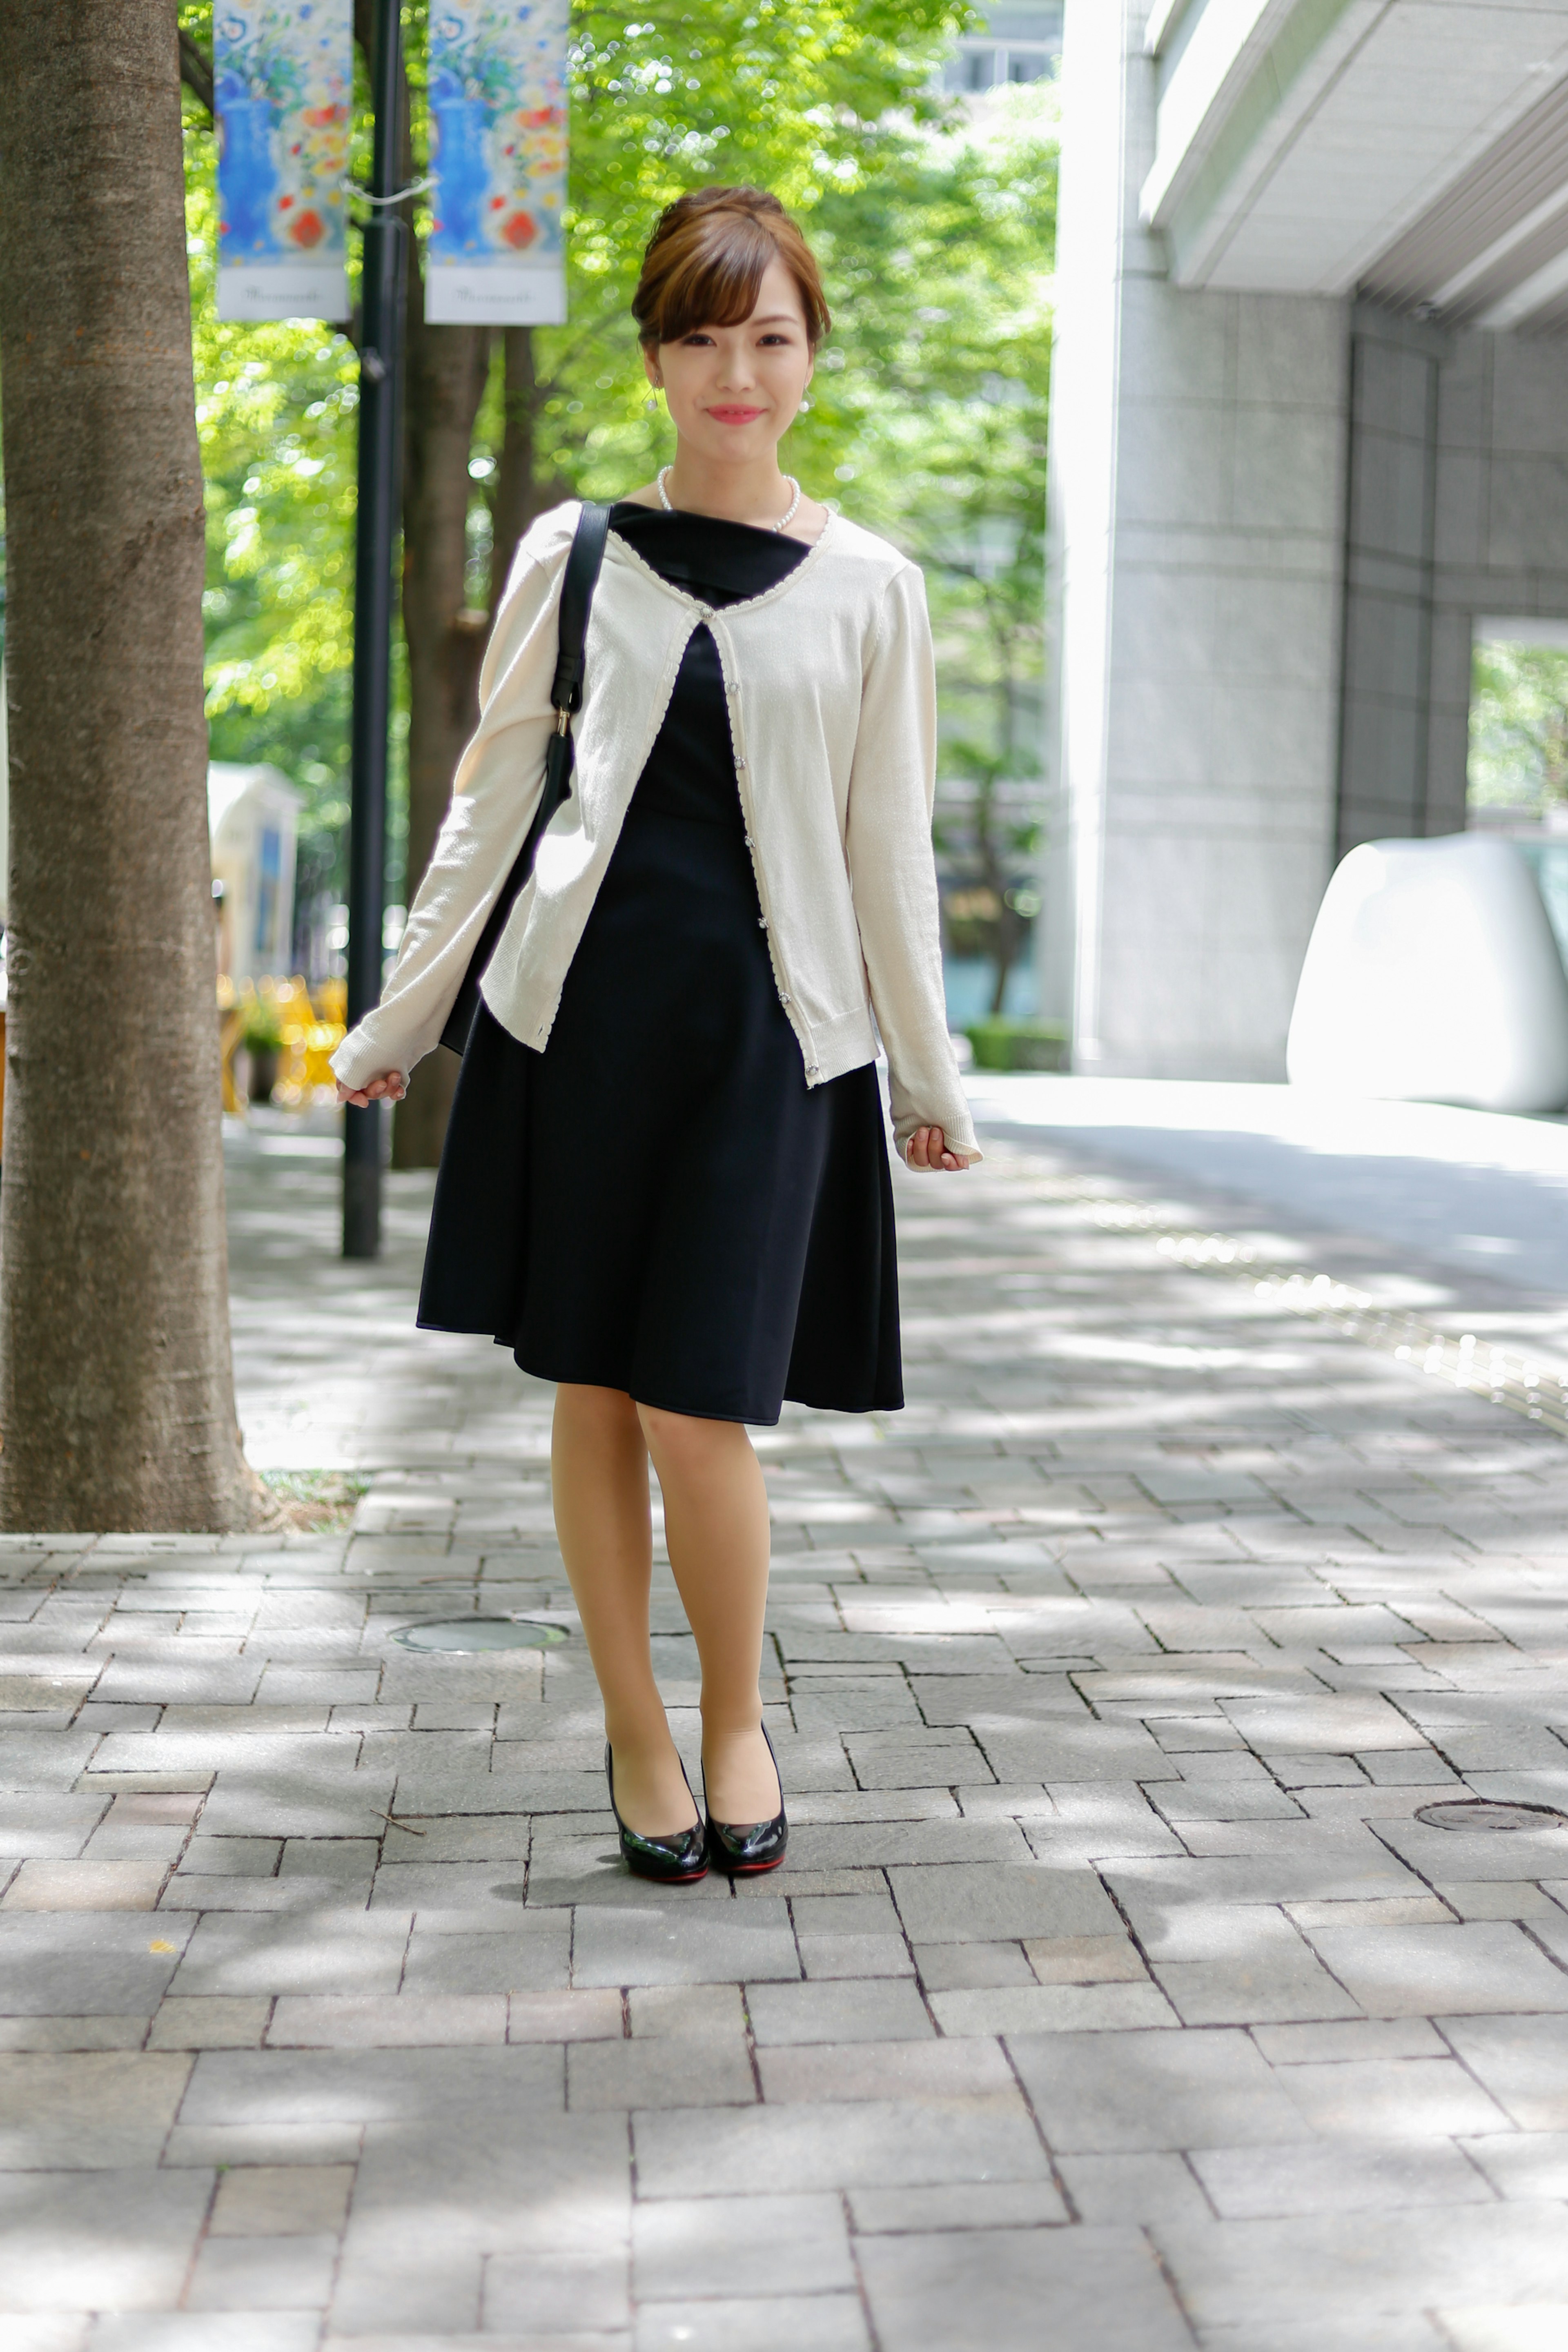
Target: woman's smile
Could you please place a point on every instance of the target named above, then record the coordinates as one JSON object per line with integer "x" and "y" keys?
{"x": 732, "y": 413}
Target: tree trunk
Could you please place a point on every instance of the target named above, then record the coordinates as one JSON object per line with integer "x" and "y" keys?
{"x": 1007, "y": 956}
{"x": 116, "y": 1385}
{"x": 447, "y": 367}
{"x": 519, "y": 497}
{"x": 996, "y": 853}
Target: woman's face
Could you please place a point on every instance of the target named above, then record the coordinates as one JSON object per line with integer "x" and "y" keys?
{"x": 733, "y": 391}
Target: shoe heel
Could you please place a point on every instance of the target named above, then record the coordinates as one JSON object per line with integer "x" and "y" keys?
{"x": 676, "y": 1861}
{"x": 746, "y": 1849}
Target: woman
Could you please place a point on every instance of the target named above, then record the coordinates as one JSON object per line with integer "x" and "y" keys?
{"x": 664, "y": 1184}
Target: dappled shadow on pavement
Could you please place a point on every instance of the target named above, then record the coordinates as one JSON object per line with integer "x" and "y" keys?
{"x": 1115, "y": 1989}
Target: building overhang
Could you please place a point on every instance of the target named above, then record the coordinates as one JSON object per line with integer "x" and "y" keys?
{"x": 1414, "y": 150}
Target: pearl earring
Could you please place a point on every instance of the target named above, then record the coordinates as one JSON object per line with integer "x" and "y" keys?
{"x": 805, "y": 405}
{"x": 651, "y": 404}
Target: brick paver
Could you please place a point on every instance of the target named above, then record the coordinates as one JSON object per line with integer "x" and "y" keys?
{"x": 1115, "y": 1992}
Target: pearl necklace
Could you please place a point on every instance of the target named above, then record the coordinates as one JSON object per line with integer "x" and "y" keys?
{"x": 783, "y": 523}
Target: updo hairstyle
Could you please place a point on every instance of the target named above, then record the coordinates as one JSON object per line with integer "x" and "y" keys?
{"x": 705, "y": 262}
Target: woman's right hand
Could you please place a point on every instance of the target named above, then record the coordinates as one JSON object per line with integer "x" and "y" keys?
{"x": 390, "y": 1086}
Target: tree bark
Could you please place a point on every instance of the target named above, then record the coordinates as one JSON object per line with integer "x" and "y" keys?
{"x": 520, "y": 495}
{"x": 196, "y": 70}
{"x": 447, "y": 367}
{"x": 116, "y": 1384}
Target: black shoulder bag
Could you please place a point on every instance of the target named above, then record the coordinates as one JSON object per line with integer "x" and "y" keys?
{"x": 577, "y": 584}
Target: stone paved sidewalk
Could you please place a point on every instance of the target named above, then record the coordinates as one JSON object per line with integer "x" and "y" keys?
{"x": 1115, "y": 1993}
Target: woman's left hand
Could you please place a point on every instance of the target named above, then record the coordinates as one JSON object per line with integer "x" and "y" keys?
{"x": 927, "y": 1149}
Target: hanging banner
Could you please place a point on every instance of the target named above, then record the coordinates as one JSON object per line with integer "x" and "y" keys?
{"x": 283, "y": 77}
{"x": 497, "y": 139}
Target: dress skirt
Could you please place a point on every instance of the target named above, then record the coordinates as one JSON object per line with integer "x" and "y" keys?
{"x": 657, "y": 1203}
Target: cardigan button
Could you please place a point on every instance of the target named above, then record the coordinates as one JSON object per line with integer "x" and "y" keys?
{"x": 762, "y": 922}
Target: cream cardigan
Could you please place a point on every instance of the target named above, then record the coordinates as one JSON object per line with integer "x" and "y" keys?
{"x": 832, "y": 698}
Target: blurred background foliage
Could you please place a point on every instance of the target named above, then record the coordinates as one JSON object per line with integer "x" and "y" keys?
{"x": 935, "y": 230}
{"x": 1518, "y": 726}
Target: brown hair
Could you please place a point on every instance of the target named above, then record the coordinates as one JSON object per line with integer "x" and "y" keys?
{"x": 705, "y": 262}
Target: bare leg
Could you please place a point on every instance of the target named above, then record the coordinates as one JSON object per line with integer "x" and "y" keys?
{"x": 716, "y": 1526}
{"x": 599, "y": 1473}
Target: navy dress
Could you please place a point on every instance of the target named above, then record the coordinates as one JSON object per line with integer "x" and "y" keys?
{"x": 657, "y": 1203}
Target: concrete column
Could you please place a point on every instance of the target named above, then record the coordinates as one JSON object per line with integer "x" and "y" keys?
{"x": 1461, "y": 588}
{"x": 1458, "y": 508}
{"x": 1396, "y": 367}
{"x": 1198, "y": 502}
{"x": 1500, "y": 538}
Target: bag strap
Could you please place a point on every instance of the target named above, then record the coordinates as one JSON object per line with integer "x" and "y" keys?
{"x": 577, "y": 584}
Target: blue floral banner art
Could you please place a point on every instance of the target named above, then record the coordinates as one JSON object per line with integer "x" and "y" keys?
{"x": 283, "y": 78}
{"x": 498, "y": 135}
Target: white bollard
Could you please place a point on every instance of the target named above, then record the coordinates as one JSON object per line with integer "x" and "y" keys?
{"x": 1432, "y": 975}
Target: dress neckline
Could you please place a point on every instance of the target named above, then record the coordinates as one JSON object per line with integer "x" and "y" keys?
{"x": 632, "y": 512}
{"x": 708, "y": 556}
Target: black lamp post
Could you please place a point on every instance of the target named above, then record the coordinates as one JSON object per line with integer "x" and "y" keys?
{"x": 380, "y": 426}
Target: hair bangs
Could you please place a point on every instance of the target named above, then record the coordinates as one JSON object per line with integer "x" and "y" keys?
{"x": 707, "y": 259}
{"x": 716, "y": 284}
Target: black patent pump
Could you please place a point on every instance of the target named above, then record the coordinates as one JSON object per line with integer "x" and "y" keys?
{"x": 674, "y": 1861}
{"x": 744, "y": 1849}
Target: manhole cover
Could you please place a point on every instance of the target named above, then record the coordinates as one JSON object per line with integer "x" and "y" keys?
{"x": 479, "y": 1633}
{"x": 1481, "y": 1813}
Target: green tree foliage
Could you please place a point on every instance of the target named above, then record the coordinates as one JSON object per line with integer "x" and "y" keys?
{"x": 275, "y": 409}
{"x": 929, "y": 410}
{"x": 1518, "y": 726}
{"x": 932, "y": 412}
{"x": 814, "y": 98}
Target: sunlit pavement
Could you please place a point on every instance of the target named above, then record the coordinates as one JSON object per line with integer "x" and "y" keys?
{"x": 1116, "y": 1993}
{"x": 1478, "y": 1193}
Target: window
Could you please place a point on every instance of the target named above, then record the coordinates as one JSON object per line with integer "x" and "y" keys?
{"x": 1517, "y": 779}
{"x": 1518, "y": 765}
{"x": 1016, "y": 44}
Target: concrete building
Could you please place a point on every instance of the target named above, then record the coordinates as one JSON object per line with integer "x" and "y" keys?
{"x": 1310, "y": 433}
{"x": 1007, "y": 44}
